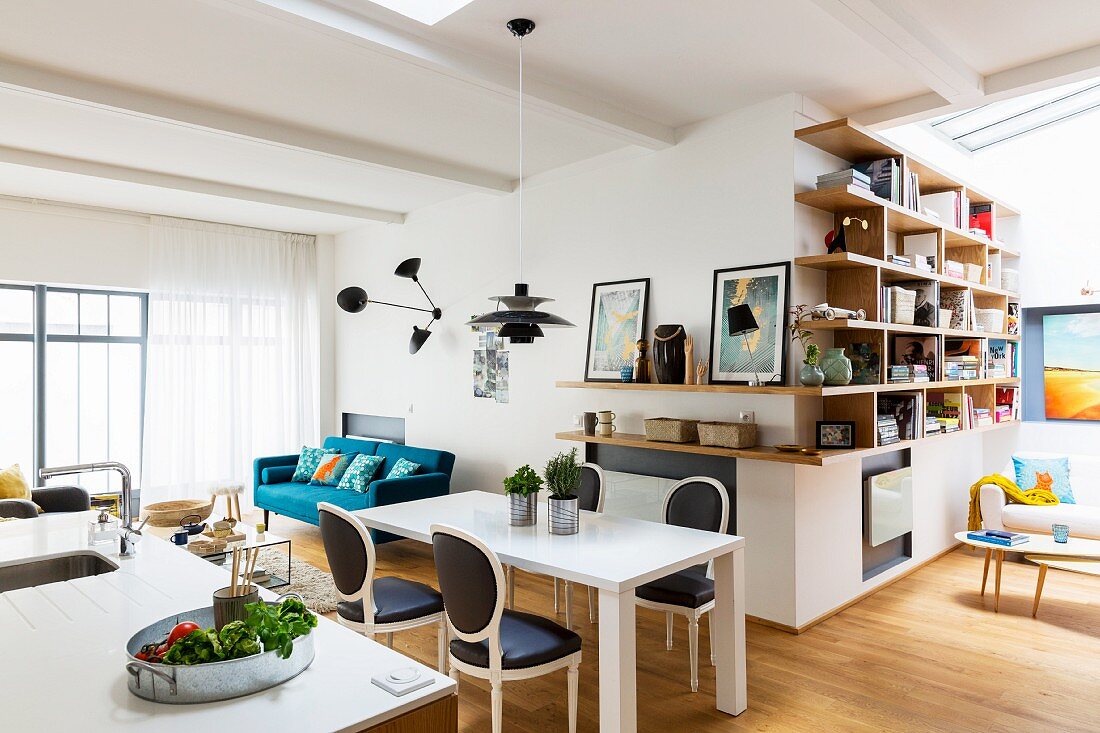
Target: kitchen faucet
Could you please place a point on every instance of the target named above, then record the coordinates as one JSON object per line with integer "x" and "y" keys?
{"x": 127, "y": 545}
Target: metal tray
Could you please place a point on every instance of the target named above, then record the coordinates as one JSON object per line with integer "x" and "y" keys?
{"x": 179, "y": 685}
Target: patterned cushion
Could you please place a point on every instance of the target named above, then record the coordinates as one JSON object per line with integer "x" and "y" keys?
{"x": 332, "y": 469}
{"x": 308, "y": 461}
{"x": 1051, "y": 474}
{"x": 360, "y": 473}
{"x": 403, "y": 468}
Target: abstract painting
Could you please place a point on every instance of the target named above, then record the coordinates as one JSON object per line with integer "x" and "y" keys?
{"x": 765, "y": 289}
{"x": 617, "y": 322}
{"x": 1071, "y": 366}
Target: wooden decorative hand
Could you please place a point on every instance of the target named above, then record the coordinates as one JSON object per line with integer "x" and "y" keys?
{"x": 701, "y": 370}
{"x": 689, "y": 359}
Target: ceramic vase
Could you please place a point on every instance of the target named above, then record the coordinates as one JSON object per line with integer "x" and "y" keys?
{"x": 811, "y": 375}
{"x": 668, "y": 354}
{"x": 837, "y": 367}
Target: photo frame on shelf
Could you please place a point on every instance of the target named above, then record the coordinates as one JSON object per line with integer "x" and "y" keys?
{"x": 616, "y": 322}
{"x": 766, "y": 289}
{"x": 836, "y": 434}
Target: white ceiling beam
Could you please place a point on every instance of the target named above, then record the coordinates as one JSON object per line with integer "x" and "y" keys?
{"x": 500, "y": 79}
{"x": 35, "y": 80}
{"x": 1036, "y": 76}
{"x": 34, "y": 159}
{"x": 888, "y": 27}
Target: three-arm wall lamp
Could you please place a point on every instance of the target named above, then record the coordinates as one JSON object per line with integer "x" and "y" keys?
{"x": 354, "y": 300}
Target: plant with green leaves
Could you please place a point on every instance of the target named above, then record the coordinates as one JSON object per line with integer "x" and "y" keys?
{"x": 278, "y": 626}
{"x": 523, "y": 482}
{"x": 563, "y": 475}
{"x": 799, "y": 314}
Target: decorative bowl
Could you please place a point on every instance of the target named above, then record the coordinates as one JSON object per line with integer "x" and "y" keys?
{"x": 788, "y": 448}
{"x": 171, "y": 513}
{"x": 812, "y": 451}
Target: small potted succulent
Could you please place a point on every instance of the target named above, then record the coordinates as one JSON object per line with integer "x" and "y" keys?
{"x": 522, "y": 489}
{"x": 811, "y": 374}
{"x": 563, "y": 476}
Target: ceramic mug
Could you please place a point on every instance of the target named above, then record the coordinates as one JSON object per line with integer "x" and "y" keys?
{"x": 589, "y": 423}
{"x": 605, "y": 429}
{"x": 605, "y": 416}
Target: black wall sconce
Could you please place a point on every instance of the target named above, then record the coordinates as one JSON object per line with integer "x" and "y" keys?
{"x": 354, "y": 300}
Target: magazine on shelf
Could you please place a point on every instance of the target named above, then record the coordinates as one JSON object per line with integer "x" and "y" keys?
{"x": 917, "y": 350}
{"x": 958, "y": 301}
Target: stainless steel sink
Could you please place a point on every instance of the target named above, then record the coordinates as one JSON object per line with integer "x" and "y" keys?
{"x": 45, "y": 570}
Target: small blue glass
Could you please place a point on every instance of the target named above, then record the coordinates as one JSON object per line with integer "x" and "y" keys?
{"x": 626, "y": 373}
{"x": 1061, "y": 532}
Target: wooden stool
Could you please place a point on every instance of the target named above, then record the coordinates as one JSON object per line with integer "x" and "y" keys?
{"x": 232, "y": 493}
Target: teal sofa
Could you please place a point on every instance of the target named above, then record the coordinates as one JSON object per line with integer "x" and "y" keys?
{"x": 274, "y": 491}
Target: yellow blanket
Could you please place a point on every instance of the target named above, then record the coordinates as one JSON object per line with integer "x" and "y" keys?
{"x": 1032, "y": 497}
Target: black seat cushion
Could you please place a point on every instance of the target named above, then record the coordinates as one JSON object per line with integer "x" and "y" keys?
{"x": 688, "y": 588}
{"x": 526, "y": 640}
{"x": 396, "y": 600}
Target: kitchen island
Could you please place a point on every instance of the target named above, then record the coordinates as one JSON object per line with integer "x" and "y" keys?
{"x": 63, "y": 651}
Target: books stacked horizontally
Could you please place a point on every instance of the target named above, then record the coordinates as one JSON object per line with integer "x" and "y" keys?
{"x": 998, "y": 537}
{"x": 1008, "y": 404}
{"x": 931, "y": 425}
{"x": 900, "y": 373}
{"x": 905, "y": 409}
{"x": 980, "y": 417}
{"x": 954, "y": 269}
{"x": 970, "y": 357}
{"x": 960, "y": 367}
{"x": 946, "y": 410}
{"x": 887, "y": 430}
{"x": 846, "y": 177}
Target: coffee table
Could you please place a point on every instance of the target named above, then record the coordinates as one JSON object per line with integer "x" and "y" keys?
{"x": 251, "y": 539}
{"x": 1087, "y": 566}
{"x": 1039, "y": 544}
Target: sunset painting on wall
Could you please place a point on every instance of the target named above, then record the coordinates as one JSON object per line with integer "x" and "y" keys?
{"x": 1071, "y": 366}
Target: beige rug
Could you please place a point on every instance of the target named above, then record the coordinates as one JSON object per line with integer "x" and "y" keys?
{"x": 313, "y": 585}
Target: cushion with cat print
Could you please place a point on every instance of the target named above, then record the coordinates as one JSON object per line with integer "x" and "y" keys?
{"x": 1051, "y": 474}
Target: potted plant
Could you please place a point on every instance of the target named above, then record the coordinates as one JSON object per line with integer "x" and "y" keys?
{"x": 811, "y": 374}
{"x": 563, "y": 475}
{"x": 522, "y": 489}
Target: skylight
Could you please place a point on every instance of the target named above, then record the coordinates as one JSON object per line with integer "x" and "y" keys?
{"x": 979, "y": 128}
{"x": 428, "y": 12}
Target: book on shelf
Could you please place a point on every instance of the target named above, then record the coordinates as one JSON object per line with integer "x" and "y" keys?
{"x": 906, "y": 409}
{"x": 958, "y": 302}
{"x": 998, "y": 359}
{"x": 954, "y": 269}
{"x": 998, "y": 537}
{"x": 903, "y": 260}
{"x": 1012, "y": 319}
{"x": 980, "y": 220}
{"x": 970, "y": 354}
{"x": 917, "y": 351}
{"x": 885, "y": 177}
{"x": 1008, "y": 404}
{"x": 946, "y": 206}
{"x": 955, "y": 408}
{"x": 846, "y": 177}
{"x": 927, "y": 308}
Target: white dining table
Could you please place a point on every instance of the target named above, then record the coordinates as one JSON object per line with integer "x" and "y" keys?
{"x": 615, "y": 555}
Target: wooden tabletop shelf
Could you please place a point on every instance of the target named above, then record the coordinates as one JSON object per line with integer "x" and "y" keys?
{"x": 893, "y": 273}
{"x": 848, "y": 389}
{"x": 768, "y": 389}
{"x": 841, "y": 324}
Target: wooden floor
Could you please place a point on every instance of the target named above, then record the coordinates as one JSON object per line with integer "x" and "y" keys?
{"x": 925, "y": 654}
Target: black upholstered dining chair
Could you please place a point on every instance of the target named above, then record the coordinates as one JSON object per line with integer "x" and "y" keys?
{"x": 699, "y": 502}
{"x": 489, "y": 642}
{"x": 372, "y": 605}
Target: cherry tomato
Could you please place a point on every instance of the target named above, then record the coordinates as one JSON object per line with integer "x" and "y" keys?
{"x": 180, "y": 631}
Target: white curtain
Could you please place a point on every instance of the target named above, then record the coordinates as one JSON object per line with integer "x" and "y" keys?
{"x": 233, "y": 354}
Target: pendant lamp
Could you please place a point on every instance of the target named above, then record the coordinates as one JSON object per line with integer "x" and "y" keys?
{"x": 517, "y": 315}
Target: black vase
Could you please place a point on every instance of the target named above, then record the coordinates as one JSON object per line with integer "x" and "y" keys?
{"x": 668, "y": 354}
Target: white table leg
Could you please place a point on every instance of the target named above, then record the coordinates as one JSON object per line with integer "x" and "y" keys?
{"x": 728, "y": 632}
{"x": 618, "y": 663}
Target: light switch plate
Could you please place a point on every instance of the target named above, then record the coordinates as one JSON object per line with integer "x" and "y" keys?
{"x": 402, "y": 681}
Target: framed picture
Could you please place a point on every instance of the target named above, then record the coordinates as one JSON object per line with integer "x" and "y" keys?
{"x": 617, "y": 322}
{"x": 1071, "y": 344}
{"x": 765, "y": 288}
{"x": 836, "y": 434}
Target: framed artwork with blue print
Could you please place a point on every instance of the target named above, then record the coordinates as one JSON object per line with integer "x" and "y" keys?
{"x": 308, "y": 461}
{"x": 616, "y": 324}
{"x": 403, "y": 468}
{"x": 360, "y": 473}
{"x": 738, "y": 359}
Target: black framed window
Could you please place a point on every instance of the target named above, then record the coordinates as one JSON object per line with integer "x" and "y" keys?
{"x": 72, "y": 369}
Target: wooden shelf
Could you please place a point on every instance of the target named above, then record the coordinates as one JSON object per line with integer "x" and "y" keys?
{"x": 893, "y": 273}
{"x": 843, "y": 325}
{"x": 765, "y": 452}
{"x": 918, "y": 386}
{"x": 855, "y": 143}
{"x": 772, "y": 389}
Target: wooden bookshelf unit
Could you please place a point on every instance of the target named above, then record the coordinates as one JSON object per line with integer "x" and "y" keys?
{"x": 855, "y": 279}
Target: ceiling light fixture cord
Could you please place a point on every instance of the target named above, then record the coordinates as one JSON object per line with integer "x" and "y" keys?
{"x": 520, "y": 225}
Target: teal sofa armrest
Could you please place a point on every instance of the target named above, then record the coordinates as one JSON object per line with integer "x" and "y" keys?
{"x": 277, "y": 474}
{"x": 260, "y": 464}
{"x": 408, "y": 488}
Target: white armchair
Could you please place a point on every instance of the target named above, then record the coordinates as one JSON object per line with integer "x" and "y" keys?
{"x": 1083, "y": 517}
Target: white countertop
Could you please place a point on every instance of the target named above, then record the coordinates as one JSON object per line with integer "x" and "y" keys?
{"x": 62, "y": 648}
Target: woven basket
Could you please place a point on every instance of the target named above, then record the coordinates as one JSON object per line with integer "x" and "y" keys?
{"x": 671, "y": 430}
{"x": 989, "y": 319}
{"x": 728, "y": 434}
{"x": 974, "y": 272}
{"x": 903, "y": 305}
{"x": 1010, "y": 279}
